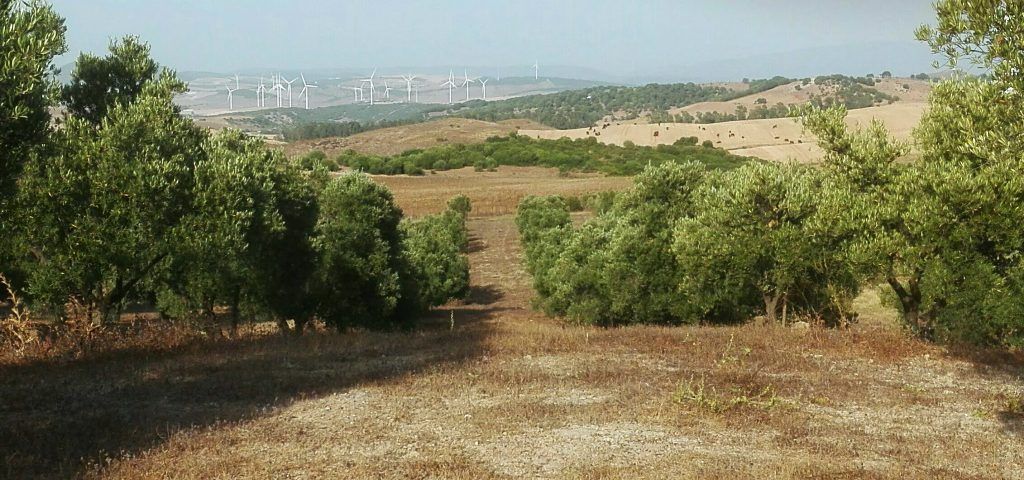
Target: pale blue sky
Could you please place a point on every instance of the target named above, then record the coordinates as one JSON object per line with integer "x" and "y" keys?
{"x": 617, "y": 36}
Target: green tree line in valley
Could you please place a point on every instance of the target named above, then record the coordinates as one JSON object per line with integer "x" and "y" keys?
{"x": 586, "y": 155}
{"x": 940, "y": 233}
{"x": 127, "y": 202}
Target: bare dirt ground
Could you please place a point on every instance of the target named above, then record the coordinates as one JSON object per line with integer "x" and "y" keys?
{"x": 778, "y": 139}
{"x": 492, "y": 389}
{"x": 395, "y": 140}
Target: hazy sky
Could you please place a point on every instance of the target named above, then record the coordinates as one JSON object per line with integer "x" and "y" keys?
{"x": 618, "y": 36}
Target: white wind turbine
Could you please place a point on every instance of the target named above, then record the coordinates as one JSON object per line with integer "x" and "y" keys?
{"x": 231, "y": 96}
{"x": 483, "y": 85}
{"x": 408, "y": 86}
{"x": 450, "y": 84}
{"x": 536, "y": 71}
{"x": 370, "y": 81}
{"x": 357, "y": 93}
{"x": 277, "y": 88}
{"x": 466, "y": 83}
{"x": 417, "y": 88}
{"x": 261, "y": 94}
{"x": 290, "y": 82}
{"x": 387, "y": 90}
{"x": 305, "y": 89}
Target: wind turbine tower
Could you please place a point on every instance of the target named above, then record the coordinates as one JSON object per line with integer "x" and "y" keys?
{"x": 261, "y": 94}
{"x": 305, "y": 89}
{"x": 278, "y": 89}
{"x": 483, "y": 85}
{"x": 370, "y": 81}
{"x": 536, "y": 71}
{"x": 466, "y": 82}
{"x": 408, "y": 86}
{"x": 290, "y": 82}
{"x": 387, "y": 90}
{"x": 450, "y": 84}
{"x": 231, "y": 94}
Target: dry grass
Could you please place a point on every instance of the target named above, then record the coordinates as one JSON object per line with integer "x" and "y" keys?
{"x": 777, "y": 139}
{"x": 503, "y": 392}
{"x": 492, "y": 193}
{"x": 395, "y": 140}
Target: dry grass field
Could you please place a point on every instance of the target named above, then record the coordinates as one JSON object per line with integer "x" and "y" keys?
{"x": 491, "y": 389}
{"x": 492, "y": 193}
{"x": 777, "y": 139}
{"x": 395, "y": 140}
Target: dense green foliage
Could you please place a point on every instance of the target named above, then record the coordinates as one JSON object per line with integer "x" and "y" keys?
{"x": 589, "y": 106}
{"x": 567, "y": 155}
{"x": 30, "y": 37}
{"x": 362, "y": 277}
{"x": 688, "y": 245}
{"x": 586, "y": 107}
{"x": 107, "y": 207}
{"x": 434, "y": 246}
{"x": 99, "y": 84}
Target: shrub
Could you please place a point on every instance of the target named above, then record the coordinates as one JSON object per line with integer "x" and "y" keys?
{"x": 362, "y": 278}
{"x": 757, "y": 245}
{"x": 461, "y": 205}
{"x": 434, "y": 246}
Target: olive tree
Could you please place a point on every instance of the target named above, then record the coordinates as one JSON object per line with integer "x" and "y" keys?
{"x": 31, "y": 35}
{"x": 99, "y": 83}
{"x": 434, "y": 247}
{"x": 107, "y": 206}
{"x": 639, "y": 263}
{"x": 362, "y": 278}
{"x": 756, "y": 237}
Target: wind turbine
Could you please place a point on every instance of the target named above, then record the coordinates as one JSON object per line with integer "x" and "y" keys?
{"x": 408, "y": 86}
{"x": 290, "y": 82}
{"x": 370, "y": 81}
{"x": 466, "y": 83}
{"x": 231, "y": 97}
{"x": 278, "y": 89}
{"x": 305, "y": 89}
{"x": 387, "y": 90}
{"x": 483, "y": 85}
{"x": 417, "y": 87}
{"x": 261, "y": 94}
{"x": 357, "y": 93}
{"x": 536, "y": 71}
{"x": 450, "y": 84}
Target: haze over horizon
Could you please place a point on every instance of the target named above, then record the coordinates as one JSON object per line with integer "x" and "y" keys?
{"x": 656, "y": 40}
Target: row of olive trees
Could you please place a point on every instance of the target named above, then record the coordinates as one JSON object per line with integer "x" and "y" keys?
{"x": 128, "y": 202}
{"x": 941, "y": 227}
{"x": 686, "y": 245}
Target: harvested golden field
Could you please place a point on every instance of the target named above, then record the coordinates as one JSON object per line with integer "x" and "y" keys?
{"x": 492, "y": 193}
{"x": 492, "y": 389}
{"x": 395, "y": 140}
{"x": 777, "y": 139}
